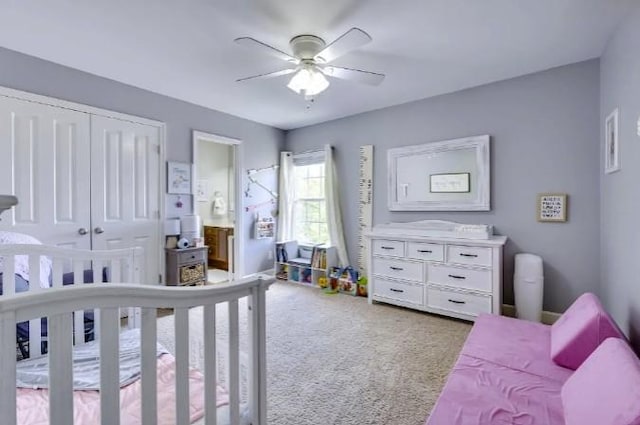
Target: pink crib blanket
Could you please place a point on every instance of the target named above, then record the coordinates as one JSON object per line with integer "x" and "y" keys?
{"x": 33, "y": 405}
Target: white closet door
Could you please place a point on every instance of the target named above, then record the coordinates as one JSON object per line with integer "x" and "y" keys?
{"x": 45, "y": 162}
{"x": 125, "y": 178}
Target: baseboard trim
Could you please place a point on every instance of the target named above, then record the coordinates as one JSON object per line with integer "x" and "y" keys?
{"x": 548, "y": 317}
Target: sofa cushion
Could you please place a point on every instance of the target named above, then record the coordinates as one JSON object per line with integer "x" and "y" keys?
{"x": 580, "y": 330}
{"x": 517, "y": 344}
{"x": 483, "y": 393}
{"x": 605, "y": 390}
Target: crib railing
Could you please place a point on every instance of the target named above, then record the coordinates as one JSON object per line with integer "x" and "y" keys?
{"x": 58, "y": 304}
{"x": 119, "y": 265}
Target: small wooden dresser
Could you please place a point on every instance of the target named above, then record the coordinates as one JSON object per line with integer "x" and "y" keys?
{"x": 217, "y": 239}
{"x": 186, "y": 266}
{"x": 431, "y": 266}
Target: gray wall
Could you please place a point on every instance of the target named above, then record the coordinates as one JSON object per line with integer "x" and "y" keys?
{"x": 261, "y": 143}
{"x": 620, "y": 191}
{"x": 544, "y": 130}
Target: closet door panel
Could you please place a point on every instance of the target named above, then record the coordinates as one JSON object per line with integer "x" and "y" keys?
{"x": 125, "y": 168}
{"x": 45, "y": 163}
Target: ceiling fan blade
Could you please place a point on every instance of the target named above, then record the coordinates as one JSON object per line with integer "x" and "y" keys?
{"x": 366, "y": 77}
{"x": 261, "y": 47}
{"x": 348, "y": 41}
{"x": 268, "y": 75}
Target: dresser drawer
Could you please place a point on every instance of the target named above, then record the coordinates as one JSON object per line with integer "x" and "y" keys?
{"x": 476, "y": 279}
{"x": 398, "y": 269}
{"x": 458, "y": 302}
{"x": 469, "y": 255}
{"x": 192, "y": 256}
{"x": 388, "y": 247}
{"x": 425, "y": 251}
{"x": 398, "y": 291}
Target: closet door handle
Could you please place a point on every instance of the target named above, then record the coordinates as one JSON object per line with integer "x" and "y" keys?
{"x": 396, "y": 290}
{"x": 456, "y": 301}
{"x": 453, "y": 276}
{"x": 396, "y": 268}
{"x": 469, "y": 255}
{"x": 425, "y": 251}
{"x": 387, "y": 247}
{"x": 98, "y": 230}
{"x": 82, "y": 231}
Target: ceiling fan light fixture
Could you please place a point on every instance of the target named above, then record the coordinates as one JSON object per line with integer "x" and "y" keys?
{"x": 308, "y": 80}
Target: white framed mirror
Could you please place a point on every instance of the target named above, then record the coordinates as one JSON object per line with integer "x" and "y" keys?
{"x": 450, "y": 175}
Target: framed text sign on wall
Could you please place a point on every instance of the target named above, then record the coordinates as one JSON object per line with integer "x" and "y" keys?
{"x": 552, "y": 207}
{"x": 178, "y": 177}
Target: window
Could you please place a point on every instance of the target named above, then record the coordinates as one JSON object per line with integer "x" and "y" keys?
{"x": 310, "y": 213}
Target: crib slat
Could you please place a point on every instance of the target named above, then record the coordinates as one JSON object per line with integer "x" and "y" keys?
{"x": 96, "y": 268}
{"x": 8, "y": 368}
{"x": 56, "y": 278}
{"x": 60, "y": 370}
{"x": 109, "y": 366}
{"x": 78, "y": 317}
{"x": 9, "y": 275}
{"x": 149, "y": 367}
{"x": 34, "y": 272}
{"x": 234, "y": 363}
{"x": 258, "y": 376}
{"x": 210, "y": 378}
{"x": 182, "y": 365}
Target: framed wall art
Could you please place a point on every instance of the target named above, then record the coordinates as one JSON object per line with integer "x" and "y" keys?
{"x": 611, "y": 143}
{"x": 178, "y": 177}
{"x": 552, "y": 207}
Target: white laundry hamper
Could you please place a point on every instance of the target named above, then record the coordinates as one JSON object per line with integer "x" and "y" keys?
{"x": 528, "y": 286}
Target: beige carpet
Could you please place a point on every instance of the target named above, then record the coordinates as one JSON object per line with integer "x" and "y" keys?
{"x": 334, "y": 359}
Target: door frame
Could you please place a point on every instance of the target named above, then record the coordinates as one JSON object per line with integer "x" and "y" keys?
{"x": 92, "y": 110}
{"x": 238, "y": 165}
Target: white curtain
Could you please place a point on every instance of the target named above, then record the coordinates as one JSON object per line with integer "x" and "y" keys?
{"x": 334, "y": 216}
{"x": 285, "y": 198}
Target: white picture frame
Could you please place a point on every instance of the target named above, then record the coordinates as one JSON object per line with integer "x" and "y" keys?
{"x": 178, "y": 178}
{"x": 612, "y": 143}
{"x": 410, "y": 167}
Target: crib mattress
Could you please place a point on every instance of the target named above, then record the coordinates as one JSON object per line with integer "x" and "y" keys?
{"x": 33, "y": 405}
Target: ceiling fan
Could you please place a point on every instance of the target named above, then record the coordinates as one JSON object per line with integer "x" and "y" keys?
{"x": 310, "y": 59}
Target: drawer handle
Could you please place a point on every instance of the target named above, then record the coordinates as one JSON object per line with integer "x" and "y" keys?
{"x": 454, "y": 276}
{"x": 456, "y": 301}
{"x": 425, "y": 251}
{"x": 396, "y": 290}
{"x": 469, "y": 255}
{"x": 396, "y": 268}
{"x": 387, "y": 247}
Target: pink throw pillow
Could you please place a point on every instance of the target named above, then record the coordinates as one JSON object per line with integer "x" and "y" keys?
{"x": 605, "y": 390}
{"x": 580, "y": 330}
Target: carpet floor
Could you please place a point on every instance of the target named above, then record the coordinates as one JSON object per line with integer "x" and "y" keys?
{"x": 336, "y": 360}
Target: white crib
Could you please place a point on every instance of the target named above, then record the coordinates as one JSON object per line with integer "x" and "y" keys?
{"x": 59, "y": 303}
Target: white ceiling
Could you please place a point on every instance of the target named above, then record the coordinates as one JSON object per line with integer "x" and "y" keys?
{"x": 185, "y": 49}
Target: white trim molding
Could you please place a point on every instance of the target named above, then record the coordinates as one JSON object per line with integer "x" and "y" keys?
{"x": 238, "y": 158}
{"x": 548, "y": 317}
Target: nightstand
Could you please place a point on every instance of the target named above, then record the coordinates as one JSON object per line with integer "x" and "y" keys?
{"x": 186, "y": 267}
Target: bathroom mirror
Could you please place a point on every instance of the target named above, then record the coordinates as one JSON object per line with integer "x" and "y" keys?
{"x": 450, "y": 175}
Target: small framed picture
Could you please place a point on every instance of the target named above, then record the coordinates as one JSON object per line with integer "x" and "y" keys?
{"x": 552, "y": 207}
{"x": 611, "y": 143}
{"x": 178, "y": 178}
{"x": 202, "y": 190}
{"x": 450, "y": 183}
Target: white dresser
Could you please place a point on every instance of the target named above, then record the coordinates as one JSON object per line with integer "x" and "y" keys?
{"x": 438, "y": 267}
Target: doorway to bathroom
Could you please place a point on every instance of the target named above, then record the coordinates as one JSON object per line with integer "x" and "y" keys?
{"x": 217, "y": 183}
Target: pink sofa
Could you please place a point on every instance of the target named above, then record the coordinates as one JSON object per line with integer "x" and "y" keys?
{"x": 508, "y": 373}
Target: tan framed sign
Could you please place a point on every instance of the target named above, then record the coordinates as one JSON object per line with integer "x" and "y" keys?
{"x": 552, "y": 207}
